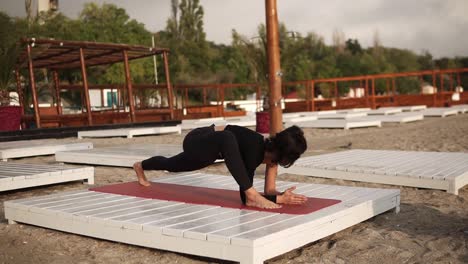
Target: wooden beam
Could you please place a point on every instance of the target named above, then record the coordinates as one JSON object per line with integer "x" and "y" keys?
{"x": 170, "y": 95}
{"x": 128, "y": 81}
{"x": 274, "y": 68}
{"x": 57, "y": 92}
{"x": 32, "y": 83}
{"x": 85, "y": 88}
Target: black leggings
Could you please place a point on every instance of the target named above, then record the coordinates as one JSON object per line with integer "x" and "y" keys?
{"x": 202, "y": 147}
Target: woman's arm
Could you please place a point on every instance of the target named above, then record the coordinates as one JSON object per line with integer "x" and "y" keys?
{"x": 271, "y": 170}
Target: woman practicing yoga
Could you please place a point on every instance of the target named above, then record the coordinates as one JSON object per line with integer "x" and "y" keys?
{"x": 243, "y": 150}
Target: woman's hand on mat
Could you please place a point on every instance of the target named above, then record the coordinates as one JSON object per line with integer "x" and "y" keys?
{"x": 288, "y": 197}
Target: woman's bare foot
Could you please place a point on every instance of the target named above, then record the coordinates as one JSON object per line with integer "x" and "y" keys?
{"x": 254, "y": 199}
{"x": 141, "y": 174}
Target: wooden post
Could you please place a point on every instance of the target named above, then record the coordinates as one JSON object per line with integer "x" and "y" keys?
{"x": 394, "y": 90}
{"x": 128, "y": 81}
{"x": 57, "y": 93}
{"x": 367, "y": 92}
{"x": 451, "y": 83}
{"x": 458, "y": 79}
{"x": 19, "y": 89}
{"x": 32, "y": 82}
{"x": 336, "y": 94}
{"x": 434, "y": 81}
{"x": 441, "y": 92}
{"x": 168, "y": 85}
{"x": 312, "y": 92}
{"x": 274, "y": 69}
{"x": 85, "y": 87}
{"x": 373, "y": 93}
{"x": 204, "y": 95}
{"x": 102, "y": 97}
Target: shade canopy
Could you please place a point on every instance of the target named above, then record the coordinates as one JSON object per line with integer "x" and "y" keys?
{"x": 59, "y": 54}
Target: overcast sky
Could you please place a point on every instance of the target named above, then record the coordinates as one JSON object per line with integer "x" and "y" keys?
{"x": 439, "y": 26}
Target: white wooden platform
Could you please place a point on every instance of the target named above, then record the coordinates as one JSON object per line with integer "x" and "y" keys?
{"x": 439, "y": 112}
{"x": 245, "y": 236}
{"x": 338, "y": 123}
{"x": 461, "y": 108}
{"x": 398, "y": 118}
{"x": 409, "y": 108}
{"x": 29, "y": 148}
{"x": 384, "y": 111}
{"x": 245, "y": 121}
{"x": 434, "y": 170}
{"x": 20, "y": 175}
{"x": 354, "y": 110}
{"x": 348, "y": 115}
{"x": 130, "y": 132}
{"x": 121, "y": 156}
{"x": 195, "y": 123}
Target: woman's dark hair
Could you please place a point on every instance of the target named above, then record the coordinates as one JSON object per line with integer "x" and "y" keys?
{"x": 287, "y": 146}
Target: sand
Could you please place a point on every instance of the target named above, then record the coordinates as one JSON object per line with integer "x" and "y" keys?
{"x": 432, "y": 226}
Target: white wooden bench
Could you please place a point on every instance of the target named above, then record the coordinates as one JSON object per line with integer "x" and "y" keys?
{"x": 20, "y": 175}
{"x": 433, "y": 170}
{"x": 29, "y": 148}
{"x": 245, "y": 236}
{"x": 338, "y": 123}
{"x": 121, "y": 156}
{"x": 130, "y": 132}
{"x": 439, "y": 112}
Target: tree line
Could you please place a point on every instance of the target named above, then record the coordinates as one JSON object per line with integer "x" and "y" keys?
{"x": 196, "y": 60}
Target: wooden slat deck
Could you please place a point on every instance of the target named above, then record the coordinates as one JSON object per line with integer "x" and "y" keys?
{"x": 19, "y": 175}
{"x": 434, "y": 170}
{"x": 397, "y": 118}
{"x": 439, "y": 112}
{"x": 121, "y": 156}
{"x": 338, "y": 123}
{"x": 29, "y": 148}
{"x": 347, "y": 115}
{"x": 224, "y": 233}
{"x": 130, "y": 132}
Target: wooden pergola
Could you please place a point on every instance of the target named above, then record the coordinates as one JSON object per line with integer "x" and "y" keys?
{"x": 56, "y": 55}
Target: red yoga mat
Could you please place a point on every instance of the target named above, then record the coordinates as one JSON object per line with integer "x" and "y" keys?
{"x": 206, "y": 196}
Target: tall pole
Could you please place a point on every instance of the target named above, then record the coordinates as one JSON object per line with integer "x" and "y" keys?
{"x": 57, "y": 93}
{"x": 128, "y": 79}
{"x": 32, "y": 82}
{"x": 274, "y": 69}
{"x": 168, "y": 85}
{"x": 155, "y": 63}
{"x": 85, "y": 87}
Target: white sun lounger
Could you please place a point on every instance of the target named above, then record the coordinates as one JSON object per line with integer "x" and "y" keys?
{"x": 433, "y": 170}
{"x": 130, "y": 132}
{"x": 121, "y": 156}
{"x": 398, "y": 118}
{"x": 20, "y": 175}
{"x": 439, "y": 112}
{"x": 245, "y": 236}
{"x": 29, "y": 148}
{"x": 338, "y": 123}
{"x": 348, "y": 115}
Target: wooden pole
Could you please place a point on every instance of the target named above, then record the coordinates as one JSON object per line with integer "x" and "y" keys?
{"x": 274, "y": 70}
{"x": 85, "y": 87}
{"x": 312, "y": 92}
{"x": 57, "y": 93}
{"x": 441, "y": 92}
{"x": 394, "y": 91}
{"x": 168, "y": 85}
{"x": 367, "y": 92}
{"x": 336, "y": 93}
{"x": 32, "y": 82}
{"x": 19, "y": 89}
{"x": 128, "y": 81}
{"x": 373, "y": 93}
{"x": 434, "y": 81}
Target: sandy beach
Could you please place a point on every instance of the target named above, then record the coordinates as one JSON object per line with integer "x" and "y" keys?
{"x": 432, "y": 226}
